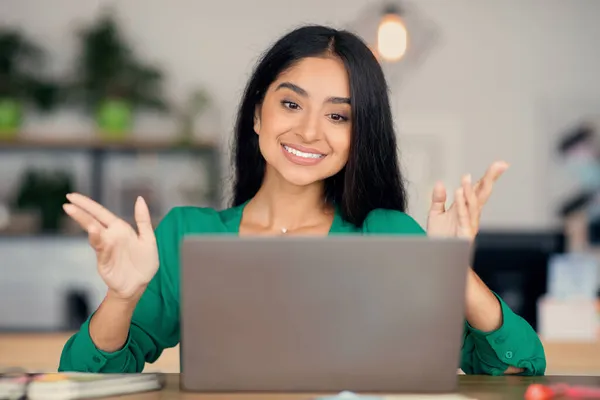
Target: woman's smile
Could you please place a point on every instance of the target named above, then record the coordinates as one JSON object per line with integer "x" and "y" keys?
{"x": 301, "y": 155}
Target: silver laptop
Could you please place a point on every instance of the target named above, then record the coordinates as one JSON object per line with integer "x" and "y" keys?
{"x": 302, "y": 314}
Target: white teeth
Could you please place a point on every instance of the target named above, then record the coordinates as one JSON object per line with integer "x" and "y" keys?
{"x": 301, "y": 153}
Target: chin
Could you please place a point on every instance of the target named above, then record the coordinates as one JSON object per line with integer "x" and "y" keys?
{"x": 302, "y": 178}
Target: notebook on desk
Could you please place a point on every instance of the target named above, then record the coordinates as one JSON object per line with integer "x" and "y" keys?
{"x": 73, "y": 386}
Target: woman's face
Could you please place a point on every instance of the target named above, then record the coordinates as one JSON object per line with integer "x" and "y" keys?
{"x": 304, "y": 123}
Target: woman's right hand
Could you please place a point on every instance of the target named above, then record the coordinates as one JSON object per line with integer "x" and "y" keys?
{"x": 127, "y": 260}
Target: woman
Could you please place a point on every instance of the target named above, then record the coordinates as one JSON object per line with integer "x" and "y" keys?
{"x": 315, "y": 154}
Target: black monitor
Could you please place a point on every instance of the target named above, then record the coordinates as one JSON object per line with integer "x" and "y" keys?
{"x": 514, "y": 264}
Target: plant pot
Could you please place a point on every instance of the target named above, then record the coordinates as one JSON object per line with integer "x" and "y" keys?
{"x": 114, "y": 119}
{"x": 10, "y": 118}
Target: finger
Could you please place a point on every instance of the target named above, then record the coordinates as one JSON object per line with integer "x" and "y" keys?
{"x": 483, "y": 188}
{"x": 95, "y": 239}
{"x": 143, "y": 219}
{"x": 93, "y": 228}
{"x": 438, "y": 199}
{"x": 107, "y": 240}
{"x": 472, "y": 202}
{"x": 464, "y": 221}
{"x": 513, "y": 370}
{"x": 97, "y": 211}
{"x": 494, "y": 171}
{"x": 82, "y": 218}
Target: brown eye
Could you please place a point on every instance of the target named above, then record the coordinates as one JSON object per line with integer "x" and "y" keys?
{"x": 290, "y": 104}
{"x": 337, "y": 118}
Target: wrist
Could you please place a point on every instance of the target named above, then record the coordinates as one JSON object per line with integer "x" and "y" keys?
{"x": 109, "y": 326}
{"x": 123, "y": 303}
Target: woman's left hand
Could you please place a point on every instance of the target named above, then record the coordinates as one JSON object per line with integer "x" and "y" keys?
{"x": 461, "y": 219}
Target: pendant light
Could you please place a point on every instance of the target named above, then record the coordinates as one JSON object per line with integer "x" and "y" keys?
{"x": 392, "y": 35}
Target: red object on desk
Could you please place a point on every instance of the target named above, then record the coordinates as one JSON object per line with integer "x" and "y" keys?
{"x": 542, "y": 392}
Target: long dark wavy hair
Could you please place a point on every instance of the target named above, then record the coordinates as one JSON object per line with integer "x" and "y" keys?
{"x": 371, "y": 178}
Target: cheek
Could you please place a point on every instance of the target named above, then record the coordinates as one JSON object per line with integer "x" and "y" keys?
{"x": 340, "y": 143}
{"x": 273, "y": 124}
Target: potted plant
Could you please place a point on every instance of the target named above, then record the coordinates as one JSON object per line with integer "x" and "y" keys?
{"x": 111, "y": 81}
{"x": 43, "y": 192}
{"x": 21, "y": 81}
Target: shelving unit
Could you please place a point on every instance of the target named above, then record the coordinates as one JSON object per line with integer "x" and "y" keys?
{"x": 66, "y": 253}
{"x": 98, "y": 150}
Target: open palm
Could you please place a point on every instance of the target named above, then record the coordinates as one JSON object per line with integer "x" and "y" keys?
{"x": 461, "y": 219}
{"x": 127, "y": 260}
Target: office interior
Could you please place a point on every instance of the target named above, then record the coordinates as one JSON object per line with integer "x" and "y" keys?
{"x": 471, "y": 81}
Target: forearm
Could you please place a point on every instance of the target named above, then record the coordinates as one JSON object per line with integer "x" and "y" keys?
{"x": 110, "y": 324}
{"x": 483, "y": 311}
{"x": 115, "y": 339}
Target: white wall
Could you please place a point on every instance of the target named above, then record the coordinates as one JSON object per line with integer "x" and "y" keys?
{"x": 506, "y": 77}
{"x": 34, "y": 285}
{"x": 488, "y": 83}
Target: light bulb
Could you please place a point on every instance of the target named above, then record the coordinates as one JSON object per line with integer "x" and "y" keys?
{"x": 392, "y": 38}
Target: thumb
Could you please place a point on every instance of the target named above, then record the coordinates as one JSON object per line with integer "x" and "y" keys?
{"x": 142, "y": 218}
{"x": 438, "y": 199}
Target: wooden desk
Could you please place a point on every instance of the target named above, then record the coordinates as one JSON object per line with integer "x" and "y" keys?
{"x": 476, "y": 387}
{"x": 41, "y": 352}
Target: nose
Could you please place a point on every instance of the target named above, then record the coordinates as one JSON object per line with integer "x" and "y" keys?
{"x": 309, "y": 129}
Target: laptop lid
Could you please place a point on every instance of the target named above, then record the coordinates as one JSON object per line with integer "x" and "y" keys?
{"x": 285, "y": 314}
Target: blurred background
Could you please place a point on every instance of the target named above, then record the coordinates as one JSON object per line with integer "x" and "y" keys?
{"x": 117, "y": 99}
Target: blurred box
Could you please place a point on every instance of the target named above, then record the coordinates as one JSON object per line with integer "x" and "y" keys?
{"x": 573, "y": 275}
{"x": 575, "y": 319}
{"x": 21, "y": 223}
{"x": 570, "y": 311}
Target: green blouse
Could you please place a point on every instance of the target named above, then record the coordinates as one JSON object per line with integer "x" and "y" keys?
{"x": 155, "y": 323}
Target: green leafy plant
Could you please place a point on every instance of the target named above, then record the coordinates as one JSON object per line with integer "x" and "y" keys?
{"x": 22, "y": 80}
{"x": 44, "y": 192}
{"x": 195, "y": 105}
{"x": 110, "y": 79}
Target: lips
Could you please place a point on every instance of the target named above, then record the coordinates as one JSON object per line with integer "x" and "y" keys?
{"x": 303, "y": 152}
{"x": 301, "y": 155}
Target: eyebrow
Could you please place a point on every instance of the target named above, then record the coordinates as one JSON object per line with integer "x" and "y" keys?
{"x": 297, "y": 89}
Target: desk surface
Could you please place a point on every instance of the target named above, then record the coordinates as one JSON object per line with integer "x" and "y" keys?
{"x": 476, "y": 387}
{"x": 41, "y": 352}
